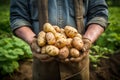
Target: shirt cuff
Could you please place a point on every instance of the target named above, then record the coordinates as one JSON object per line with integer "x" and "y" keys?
{"x": 19, "y": 23}
{"x": 100, "y": 21}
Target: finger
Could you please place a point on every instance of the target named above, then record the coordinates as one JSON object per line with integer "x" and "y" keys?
{"x": 48, "y": 60}
{"x": 64, "y": 60}
{"x": 76, "y": 59}
{"x": 40, "y": 56}
{"x": 67, "y": 60}
{"x": 43, "y": 57}
{"x": 37, "y": 50}
{"x": 35, "y": 47}
{"x": 83, "y": 49}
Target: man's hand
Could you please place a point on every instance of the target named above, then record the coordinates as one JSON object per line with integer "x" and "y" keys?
{"x": 87, "y": 44}
{"x": 84, "y": 52}
{"x": 78, "y": 59}
{"x": 36, "y": 52}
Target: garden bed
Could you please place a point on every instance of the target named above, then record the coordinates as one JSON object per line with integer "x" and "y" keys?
{"x": 108, "y": 69}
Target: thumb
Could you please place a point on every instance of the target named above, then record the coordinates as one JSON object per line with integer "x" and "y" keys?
{"x": 35, "y": 47}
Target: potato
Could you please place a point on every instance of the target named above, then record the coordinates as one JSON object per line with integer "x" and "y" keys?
{"x": 57, "y": 28}
{"x": 74, "y": 53}
{"x": 63, "y": 32}
{"x": 77, "y": 43}
{"x": 43, "y": 50}
{"x": 41, "y": 38}
{"x": 63, "y": 53}
{"x": 41, "y": 41}
{"x": 47, "y": 27}
{"x": 79, "y": 35}
{"x": 59, "y": 36}
{"x": 60, "y": 43}
{"x": 52, "y": 50}
{"x": 42, "y": 34}
{"x": 50, "y": 38}
{"x": 70, "y": 31}
{"x": 69, "y": 42}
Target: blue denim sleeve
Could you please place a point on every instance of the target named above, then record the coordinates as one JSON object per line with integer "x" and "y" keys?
{"x": 97, "y": 13}
{"x": 19, "y": 14}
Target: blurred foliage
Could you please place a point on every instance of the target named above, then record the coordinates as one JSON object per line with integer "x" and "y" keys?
{"x": 113, "y": 2}
{"x": 111, "y": 37}
{"x": 4, "y": 19}
{"x": 4, "y": 2}
{"x": 12, "y": 49}
{"x": 109, "y": 41}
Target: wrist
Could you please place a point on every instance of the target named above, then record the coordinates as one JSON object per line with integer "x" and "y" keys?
{"x": 86, "y": 38}
{"x": 26, "y": 34}
{"x": 29, "y": 41}
{"x": 93, "y": 32}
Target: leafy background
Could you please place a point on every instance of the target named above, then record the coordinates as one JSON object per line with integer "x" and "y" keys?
{"x": 12, "y": 49}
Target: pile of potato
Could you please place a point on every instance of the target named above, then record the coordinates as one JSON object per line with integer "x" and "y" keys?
{"x": 59, "y": 42}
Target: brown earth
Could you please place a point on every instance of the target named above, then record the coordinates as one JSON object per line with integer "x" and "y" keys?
{"x": 108, "y": 69}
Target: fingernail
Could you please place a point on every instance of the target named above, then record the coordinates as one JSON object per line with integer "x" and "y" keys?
{"x": 38, "y": 50}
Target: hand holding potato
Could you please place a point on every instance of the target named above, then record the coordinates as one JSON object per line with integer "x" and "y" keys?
{"x": 75, "y": 59}
{"x": 81, "y": 57}
{"x": 34, "y": 46}
{"x": 64, "y": 44}
{"x": 87, "y": 44}
{"x": 36, "y": 50}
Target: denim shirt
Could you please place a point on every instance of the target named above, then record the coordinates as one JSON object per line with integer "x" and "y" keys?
{"x": 60, "y": 12}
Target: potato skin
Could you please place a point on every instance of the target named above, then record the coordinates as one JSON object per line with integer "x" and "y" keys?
{"x": 41, "y": 41}
{"x": 70, "y": 31}
{"x": 50, "y": 38}
{"x": 59, "y": 36}
{"x": 60, "y": 43}
{"x": 74, "y": 53}
{"x": 69, "y": 42}
{"x": 57, "y": 28}
{"x": 41, "y": 38}
{"x": 52, "y": 50}
{"x": 63, "y": 53}
{"x": 79, "y": 35}
{"x": 41, "y": 34}
{"x": 77, "y": 43}
{"x": 47, "y": 27}
{"x": 43, "y": 50}
{"x": 62, "y": 31}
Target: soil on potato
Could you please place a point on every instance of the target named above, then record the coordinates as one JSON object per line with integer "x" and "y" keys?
{"x": 108, "y": 69}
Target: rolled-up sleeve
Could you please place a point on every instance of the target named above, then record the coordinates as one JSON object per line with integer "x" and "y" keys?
{"x": 19, "y": 14}
{"x": 97, "y": 13}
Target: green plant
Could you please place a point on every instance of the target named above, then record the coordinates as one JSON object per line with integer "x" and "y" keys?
{"x": 97, "y": 52}
{"x": 109, "y": 41}
{"x": 12, "y": 49}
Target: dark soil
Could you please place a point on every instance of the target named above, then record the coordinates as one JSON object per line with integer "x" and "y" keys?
{"x": 107, "y": 69}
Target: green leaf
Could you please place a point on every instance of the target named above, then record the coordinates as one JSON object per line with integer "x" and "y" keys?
{"x": 8, "y": 46}
{"x": 18, "y": 51}
{"x": 10, "y": 55}
{"x": 9, "y": 66}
